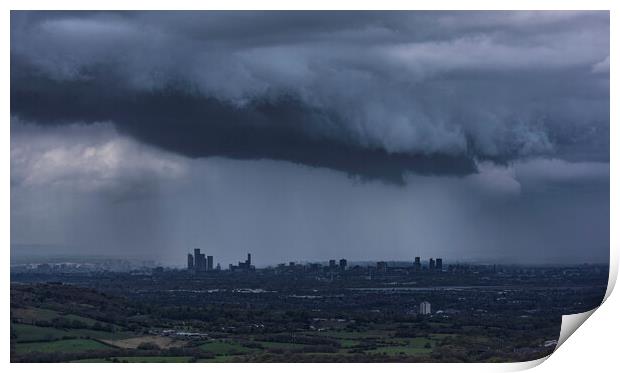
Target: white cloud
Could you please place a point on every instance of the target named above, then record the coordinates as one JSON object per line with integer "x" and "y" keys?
{"x": 495, "y": 180}
{"x": 86, "y": 158}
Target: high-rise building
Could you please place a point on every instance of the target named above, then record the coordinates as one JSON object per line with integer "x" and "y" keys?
{"x": 210, "y": 263}
{"x": 190, "y": 262}
{"x": 332, "y": 263}
{"x": 200, "y": 262}
{"x": 438, "y": 264}
{"x": 425, "y": 308}
{"x": 343, "y": 264}
{"x": 431, "y": 264}
{"x": 416, "y": 264}
{"x": 249, "y": 261}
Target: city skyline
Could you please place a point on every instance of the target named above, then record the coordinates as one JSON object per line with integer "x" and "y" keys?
{"x": 211, "y": 263}
{"x": 56, "y": 254}
{"x": 433, "y": 263}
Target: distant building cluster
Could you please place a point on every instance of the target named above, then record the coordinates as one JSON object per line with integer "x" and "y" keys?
{"x": 199, "y": 263}
{"x": 433, "y": 265}
{"x": 243, "y": 266}
{"x": 341, "y": 265}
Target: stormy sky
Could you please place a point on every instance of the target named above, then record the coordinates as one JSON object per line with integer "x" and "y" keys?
{"x": 311, "y": 135}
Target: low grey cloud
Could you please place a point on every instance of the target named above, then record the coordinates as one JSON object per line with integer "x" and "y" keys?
{"x": 91, "y": 190}
{"x": 423, "y": 92}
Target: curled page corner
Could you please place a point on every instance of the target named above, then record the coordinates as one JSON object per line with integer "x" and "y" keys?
{"x": 613, "y": 276}
{"x": 524, "y": 365}
{"x": 570, "y": 323}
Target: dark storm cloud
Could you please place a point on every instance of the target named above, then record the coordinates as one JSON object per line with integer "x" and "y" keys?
{"x": 197, "y": 126}
{"x": 374, "y": 94}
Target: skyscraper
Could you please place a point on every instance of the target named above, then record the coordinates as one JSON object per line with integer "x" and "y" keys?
{"x": 438, "y": 264}
{"x": 431, "y": 264}
{"x": 190, "y": 262}
{"x": 416, "y": 264}
{"x": 332, "y": 263}
{"x": 200, "y": 262}
{"x": 343, "y": 264}
{"x": 210, "y": 263}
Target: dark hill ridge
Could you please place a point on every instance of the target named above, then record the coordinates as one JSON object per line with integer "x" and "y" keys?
{"x": 69, "y": 299}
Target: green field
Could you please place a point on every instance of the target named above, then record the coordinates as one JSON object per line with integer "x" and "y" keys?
{"x": 348, "y": 343}
{"x": 441, "y": 335}
{"x": 99, "y": 334}
{"x": 67, "y": 345}
{"x": 139, "y": 359}
{"x": 43, "y": 314}
{"x": 33, "y": 333}
{"x": 30, "y": 333}
{"x": 343, "y": 334}
{"x": 156, "y": 359}
{"x": 219, "y": 359}
{"x": 401, "y": 350}
{"x": 31, "y": 314}
{"x": 406, "y": 346}
{"x": 226, "y": 348}
{"x": 282, "y": 345}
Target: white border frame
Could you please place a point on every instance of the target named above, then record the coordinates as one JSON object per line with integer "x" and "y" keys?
{"x": 590, "y": 349}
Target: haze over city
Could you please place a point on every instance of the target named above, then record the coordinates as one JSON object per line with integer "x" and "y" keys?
{"x": 367, "y": 136}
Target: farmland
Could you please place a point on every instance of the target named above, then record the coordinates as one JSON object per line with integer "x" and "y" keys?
{"x": 180, "y": 318}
